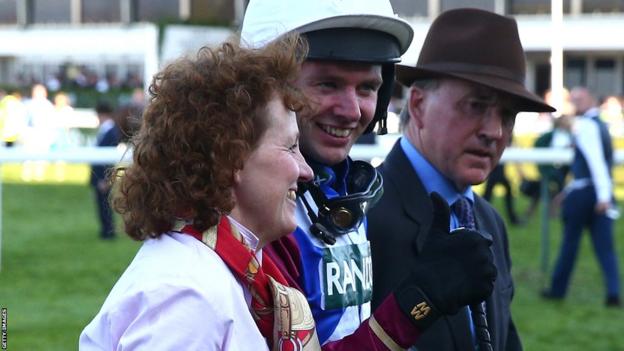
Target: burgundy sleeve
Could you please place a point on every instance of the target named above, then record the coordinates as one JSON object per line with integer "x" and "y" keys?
{"x": 387, "y": 329}
{"x": 284, "y": 252}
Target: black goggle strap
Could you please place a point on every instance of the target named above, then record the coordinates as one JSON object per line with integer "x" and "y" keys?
{"x": 339, "y": 215}
{"x": 343, "y": 214}
{"x": 347, "y": 212}
{"x": 316, "y": 228}
{"x": 365, "y": 184}
{"x": 334, "y": 214}
{"x": 361, "y": 178}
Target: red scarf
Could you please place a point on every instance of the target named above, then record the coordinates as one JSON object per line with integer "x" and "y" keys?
{"x": 229, "y": 245}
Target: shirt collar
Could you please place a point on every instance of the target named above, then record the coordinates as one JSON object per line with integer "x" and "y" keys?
{"x": 250, "y": 239}
{"x": 107, "y": 124}
{"x": 332, "y": 177}
{"x": 592, "y": 112}
{"x": 431, "y": 178}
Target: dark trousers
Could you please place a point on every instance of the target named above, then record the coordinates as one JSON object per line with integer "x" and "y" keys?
{"x": 578, "y": 213}
{"x": 105, "y": 214}
{"x": 497, "y": 176}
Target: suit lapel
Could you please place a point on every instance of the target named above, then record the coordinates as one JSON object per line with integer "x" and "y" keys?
{"x": 399, "y": 173}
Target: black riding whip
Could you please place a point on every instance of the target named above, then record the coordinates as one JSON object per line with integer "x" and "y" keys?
{"x": 479, "y": 321}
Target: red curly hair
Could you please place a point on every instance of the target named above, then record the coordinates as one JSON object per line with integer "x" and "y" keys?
{"x": 204, "y": 118}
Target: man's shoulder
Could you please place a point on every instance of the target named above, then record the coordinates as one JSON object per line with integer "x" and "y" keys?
{"x": 395, "y": 158}
{"x": 586, "y": 124}
{"x": 484, "y": 205}
{"x": 403, "y": 188}
{"x": 397, "y": 169}
{"x": 487, "y": 212}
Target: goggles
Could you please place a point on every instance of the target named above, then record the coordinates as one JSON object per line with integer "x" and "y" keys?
{"x": 343, "y": 214}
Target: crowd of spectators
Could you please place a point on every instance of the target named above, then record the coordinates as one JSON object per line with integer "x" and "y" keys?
{"x": 72, "y": 76}
{"x": 37, "y": 121}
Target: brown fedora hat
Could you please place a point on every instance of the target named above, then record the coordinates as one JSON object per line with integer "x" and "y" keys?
{"x": 478, "y": 46}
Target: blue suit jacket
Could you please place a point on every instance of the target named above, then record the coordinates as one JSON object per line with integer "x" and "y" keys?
{"x": 109, "y": 138}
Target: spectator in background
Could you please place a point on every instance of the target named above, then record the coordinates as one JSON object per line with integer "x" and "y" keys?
{"x": 41, "y": 119}
{"x": 12, "y": 118}
{"x": 41, "y": 131}
{"x": 128, "y": 120}
{"x": 138, "y": 98}
{"x": 611, "y": 113}
{"x": 559, "y": 136}
{"x": 3, "y": 94}
{"x": 52, "y": 83}
{"x": 554, "y": 175}
{"x": 63, "y": 114}
{"x": 499, "y": 176}
{"x": 589, "y": 201}
{"x": 108, "y": 134}
{"x": 62, "y": 118}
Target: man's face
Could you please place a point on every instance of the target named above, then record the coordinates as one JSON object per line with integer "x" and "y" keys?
{"x": 343, "y": 97}
{"x": 581, "y": 99}
{"x": 461, "y": 128}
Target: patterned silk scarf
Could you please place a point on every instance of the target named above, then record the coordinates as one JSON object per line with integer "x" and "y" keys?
{"x": 287, "y": 326}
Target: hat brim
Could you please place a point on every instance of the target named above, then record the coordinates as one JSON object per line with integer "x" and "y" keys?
{"x": 396, "y": 26}
{"x": 526, "y": 101}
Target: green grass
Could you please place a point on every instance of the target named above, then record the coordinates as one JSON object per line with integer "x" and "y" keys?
{"x": 56, "y": 274}
{"x": 55, "y": 271}
{"x": 580, "y": 322}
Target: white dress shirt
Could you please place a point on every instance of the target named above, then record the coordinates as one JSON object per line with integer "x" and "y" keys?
{"x": 589, "y": 142}
{"x": 177, "y": 294}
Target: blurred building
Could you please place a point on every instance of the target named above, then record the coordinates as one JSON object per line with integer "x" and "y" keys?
{"x": 592, "y": 38}
{"x": 104, "y": 42}
{"x": 131, "y": 38}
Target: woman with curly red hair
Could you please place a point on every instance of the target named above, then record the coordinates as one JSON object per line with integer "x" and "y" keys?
{"x": 214, "y": 178}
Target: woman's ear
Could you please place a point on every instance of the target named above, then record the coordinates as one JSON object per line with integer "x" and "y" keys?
{"x": 237, "y": 177}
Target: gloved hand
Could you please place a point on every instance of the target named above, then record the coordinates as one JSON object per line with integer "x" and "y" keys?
{"x": 451, "y": 271}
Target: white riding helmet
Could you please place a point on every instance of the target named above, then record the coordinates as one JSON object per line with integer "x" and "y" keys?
{"x": 338, "y": 30}
{"x": 266, "y": 20}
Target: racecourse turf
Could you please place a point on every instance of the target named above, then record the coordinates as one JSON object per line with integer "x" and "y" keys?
{"x": 56, "y": 273}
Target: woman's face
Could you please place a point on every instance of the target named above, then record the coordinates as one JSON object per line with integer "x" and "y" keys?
{"x": 265, "y": 189}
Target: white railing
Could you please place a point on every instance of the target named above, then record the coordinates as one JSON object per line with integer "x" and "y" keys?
{"x": 112, "y": 155}
{"x": 90, "y": 155}
{"x": 377, "y": 152}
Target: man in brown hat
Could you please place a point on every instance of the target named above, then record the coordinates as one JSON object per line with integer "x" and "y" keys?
{"x": 464, "y": 94}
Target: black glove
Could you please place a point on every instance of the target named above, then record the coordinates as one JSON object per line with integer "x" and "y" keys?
{"x": 451, "y": 271}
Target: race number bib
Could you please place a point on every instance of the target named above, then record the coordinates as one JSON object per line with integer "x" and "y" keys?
{"x": 347, "y": 275}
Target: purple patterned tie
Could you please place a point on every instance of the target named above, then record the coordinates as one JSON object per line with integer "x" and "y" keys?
{"x": 463, "y": 210}
{"x": 476, "y": 315}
